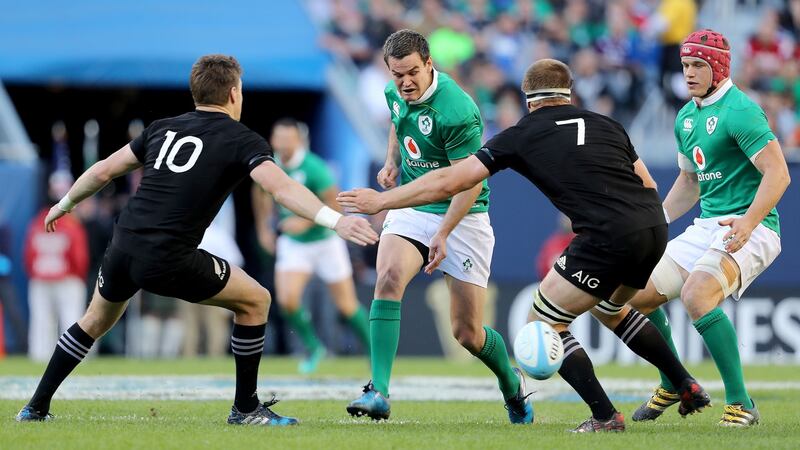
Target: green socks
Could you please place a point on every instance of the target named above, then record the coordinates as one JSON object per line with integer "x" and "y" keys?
{"x": 659, "y": 320}
{"x": 300, "y": 321}
{"x": 360, "y": 325}
{"x": 495, "y": 356}
{"x": 384, "y": 331}
{"x": 720, "y": 338}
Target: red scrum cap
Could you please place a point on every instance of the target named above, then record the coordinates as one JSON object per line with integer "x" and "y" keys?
{"x": 713, "y": 49}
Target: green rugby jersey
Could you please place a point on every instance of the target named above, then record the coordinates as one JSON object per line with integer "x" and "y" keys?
{"x": 719, "y": 138}
{"x": 443, "y": 125}
{"x": 312, "y": 172}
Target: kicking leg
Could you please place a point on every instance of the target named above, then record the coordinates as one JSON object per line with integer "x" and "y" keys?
{"x": 466, "y": 318}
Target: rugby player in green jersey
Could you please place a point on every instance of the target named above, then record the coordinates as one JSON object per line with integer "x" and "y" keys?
{"x": 305, "y": 248}
{"x": 732, "y": 163}
{"x": 435, "y": 124}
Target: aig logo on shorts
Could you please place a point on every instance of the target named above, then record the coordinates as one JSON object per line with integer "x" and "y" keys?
{"x": 699, "y": 157}
{"x": 412, "y": 148}
{"x": 586, "y": 279}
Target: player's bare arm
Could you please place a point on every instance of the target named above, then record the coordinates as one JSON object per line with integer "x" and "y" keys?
{"x": 297, "y": 225}
{"x": 301, "y": 201}
{"x": 459, "y": 207}
{"x": 387, "y": 176}
{"x": 772, "y": 165}
{"x": 262, "y": 214}
{"x": 640, "y": 169}
{"x": 683, "y": 195}
{"x": 93, "y": 180}
{"x": 431, "y": 187}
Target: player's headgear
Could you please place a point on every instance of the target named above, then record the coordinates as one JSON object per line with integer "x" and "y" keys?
{"x": 541, "y": 94}
{"x": 713, "y": 49}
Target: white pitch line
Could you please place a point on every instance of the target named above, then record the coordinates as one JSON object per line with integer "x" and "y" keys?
{"x": 124, "y": 387}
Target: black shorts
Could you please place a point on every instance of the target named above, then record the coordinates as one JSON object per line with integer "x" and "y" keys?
{"x": 195, "y": 277}
{"x": 599, "y": 267}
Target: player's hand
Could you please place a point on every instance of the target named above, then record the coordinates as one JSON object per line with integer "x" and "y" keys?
{"x": 738, "y": 235}
{"x": 387, "y": 176}
{"x": 361, "y": 200}
{"x": 52, "y": 217}
{"x": 356, "y": 229}
{"x": 437, "y": 252}
{"x": 294, "y": 225}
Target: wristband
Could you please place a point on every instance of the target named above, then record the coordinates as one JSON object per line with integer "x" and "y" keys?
{"x": 65, "y": 204}
{"x": 327, "y": 217}
{"x": 666, "y": 214}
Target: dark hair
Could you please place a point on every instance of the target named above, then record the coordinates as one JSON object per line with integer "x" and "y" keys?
{"x": 547, "y": 73}
{"x": 403, "y": 43}
{"x": 212, "y": 78}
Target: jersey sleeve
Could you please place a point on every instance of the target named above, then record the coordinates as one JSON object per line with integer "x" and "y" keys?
{"x": 498, "y": 153}
{"x": 631, "y": 150}
{"x": 139, "y": 145}
{"x": 254, "y": 150}
{"x": 750, "y": 130}
{"x": 462, "y": 138}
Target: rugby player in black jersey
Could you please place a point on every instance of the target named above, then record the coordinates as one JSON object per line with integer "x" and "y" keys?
{"x": 191, "y": 163}
{"x": 585, "y": 164}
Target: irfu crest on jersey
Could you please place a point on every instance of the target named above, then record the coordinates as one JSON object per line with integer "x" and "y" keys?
{"x": 711, "y": 124}
{"x": 425, "y": 124}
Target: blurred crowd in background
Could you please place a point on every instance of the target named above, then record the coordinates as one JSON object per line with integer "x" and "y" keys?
{"x": 619, "y": 51}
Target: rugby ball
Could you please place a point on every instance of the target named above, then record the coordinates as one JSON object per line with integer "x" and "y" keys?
{"x": 538, "y": 350}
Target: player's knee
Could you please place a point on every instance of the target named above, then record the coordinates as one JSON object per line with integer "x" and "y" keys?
{"x": 95, "y": 324}
{"x": 468, "y": 336}
{"x": 389, "y": 283}
{"x": 696, "y": 300}
{"x": 258, "y": 302}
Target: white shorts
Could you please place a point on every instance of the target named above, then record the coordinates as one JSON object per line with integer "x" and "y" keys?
{"x": 756, "y": 255}
{"x": 469, "y": 246}
{"x": 327, "y": 258}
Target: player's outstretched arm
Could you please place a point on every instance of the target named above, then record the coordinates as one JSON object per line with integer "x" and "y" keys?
{"x": 772, "y": 165}
{"x": 301, "y": 201}
{"x": 90, "y": 182}
{"x": 431, "y": 187}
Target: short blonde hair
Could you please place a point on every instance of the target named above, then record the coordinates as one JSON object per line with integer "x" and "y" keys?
{"x": 547, "y": 73}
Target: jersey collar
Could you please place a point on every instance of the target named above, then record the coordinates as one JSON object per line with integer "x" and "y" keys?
{"x": 296, "y": 159}
{"x": 428, "y": 92}
{"x": 714, "y": 98}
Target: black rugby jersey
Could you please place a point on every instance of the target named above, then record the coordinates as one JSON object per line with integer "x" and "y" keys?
{"x": 191, "y": 164}
{"x": 583, "y": 162}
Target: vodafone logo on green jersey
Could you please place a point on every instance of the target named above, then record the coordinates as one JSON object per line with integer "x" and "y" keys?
{"x": 701, "y": 162}
{"x": 412, "y": 148}
{"x": 698, "y": 157}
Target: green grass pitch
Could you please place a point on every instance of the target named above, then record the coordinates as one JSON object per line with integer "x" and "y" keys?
{"x": 167, "y": 424}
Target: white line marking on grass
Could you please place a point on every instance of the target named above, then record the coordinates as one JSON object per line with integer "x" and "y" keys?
{"x": 435, "y": 388}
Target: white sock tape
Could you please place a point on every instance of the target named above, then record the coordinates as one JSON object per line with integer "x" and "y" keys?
{"x": 327, "y": 217}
